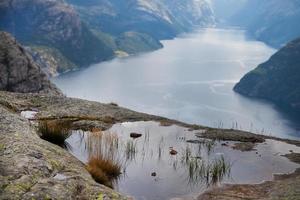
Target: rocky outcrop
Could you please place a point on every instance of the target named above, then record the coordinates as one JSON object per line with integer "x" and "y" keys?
{"x": 277, "y": 79}
{"x": 18, "y": 72}
{"x": 31, "y": 168}
{"x": 283, "y": 187}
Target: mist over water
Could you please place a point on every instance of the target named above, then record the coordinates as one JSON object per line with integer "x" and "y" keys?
{"x": 190, "y": 79}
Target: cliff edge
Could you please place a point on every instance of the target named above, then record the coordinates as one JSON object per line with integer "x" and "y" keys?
{"x": 18, "y": 71}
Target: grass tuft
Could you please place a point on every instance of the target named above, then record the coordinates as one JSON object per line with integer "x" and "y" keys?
{"x": 55, "y": 131}
{"x": 103, "y": 170}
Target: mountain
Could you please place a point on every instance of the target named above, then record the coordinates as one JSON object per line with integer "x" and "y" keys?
{"x": 18, "y": 72}
{"x": 275, "y": 22}
{"x": 160, "y": 19}
{"x": 225, "y": 9}
{"x": 190, "y": 13}
{"x": 277, "y": 80}
{"x": 116, "y": 17}
{"x": 63, "y": 35}
{"x": 53, "y": 24}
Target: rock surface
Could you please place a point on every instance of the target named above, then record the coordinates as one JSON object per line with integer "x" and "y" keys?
{"x": 283, "y": 187}
{"x": 18, "y": 72}
{"x": 31, "y": 168}
{"x": 277, "y": 80}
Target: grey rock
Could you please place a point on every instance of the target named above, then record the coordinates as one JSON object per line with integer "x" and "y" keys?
{"x": 18, "y": 71}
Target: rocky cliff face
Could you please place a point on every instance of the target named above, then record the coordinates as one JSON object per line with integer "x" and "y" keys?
{"x": 18, "y": 71}
{"x": 159, "y": 19}
{"x": 189, "y": 13}
{"x": 277, "y": 80}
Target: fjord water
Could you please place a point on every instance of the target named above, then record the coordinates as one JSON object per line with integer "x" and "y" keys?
{"x": 190, "y": 79}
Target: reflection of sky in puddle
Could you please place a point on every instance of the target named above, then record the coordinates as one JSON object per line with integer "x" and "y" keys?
{"x": 172, "y": 173}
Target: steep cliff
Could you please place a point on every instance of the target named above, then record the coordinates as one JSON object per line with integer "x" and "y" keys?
{"x": 159, "y": 19}
{"x": 18, "y": 72}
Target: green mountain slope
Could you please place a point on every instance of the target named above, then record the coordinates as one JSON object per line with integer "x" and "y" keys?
{"x": 277, "y": 80}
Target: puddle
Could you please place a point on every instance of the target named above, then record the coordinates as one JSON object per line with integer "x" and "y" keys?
{"x": 150, "y": 172}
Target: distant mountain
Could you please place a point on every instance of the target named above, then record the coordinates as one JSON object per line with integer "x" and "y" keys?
{"x": 190, "y": 13}
{"x": 63, "y": 35}
{"x": 160, "y": 19}
{"x": 118, "y": 16}
{"x": 225, "y": 9}
{"x": 275, "y": 22}
{"x": 55, "y": 25}
{"x": 18, "y": 71}
{"x": 277, "y": 80}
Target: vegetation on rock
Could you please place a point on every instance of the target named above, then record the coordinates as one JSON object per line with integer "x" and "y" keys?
{"x": 277, "y": 79}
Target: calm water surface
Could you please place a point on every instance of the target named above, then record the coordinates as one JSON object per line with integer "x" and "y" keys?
{"x": 184, "y": 175}
{"x": 190, "y": 79}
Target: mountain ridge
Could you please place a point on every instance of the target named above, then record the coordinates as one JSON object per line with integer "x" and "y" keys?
{"x": 64, "y": 35}
{"x": 277, "y": 79}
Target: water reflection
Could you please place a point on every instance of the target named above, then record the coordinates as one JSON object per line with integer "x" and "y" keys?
{"x": 171, "y": 161}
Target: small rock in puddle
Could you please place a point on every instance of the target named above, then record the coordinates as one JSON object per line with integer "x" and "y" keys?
{"x": 153, "y": 174}
{"x": 173, "y": 152}
{"x": 135, "y": 135}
